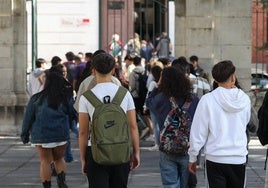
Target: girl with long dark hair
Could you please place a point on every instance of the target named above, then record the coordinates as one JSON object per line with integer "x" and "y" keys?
{"x": 173, "y": 86}
{"x": 47, "y": 119}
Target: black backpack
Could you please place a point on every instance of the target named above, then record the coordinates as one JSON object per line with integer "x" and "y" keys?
{"x": 262, "y": 131}
{"x": 142, "y": 89}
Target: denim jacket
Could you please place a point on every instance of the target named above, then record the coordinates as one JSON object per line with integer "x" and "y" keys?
{"x": 44, "y": 124}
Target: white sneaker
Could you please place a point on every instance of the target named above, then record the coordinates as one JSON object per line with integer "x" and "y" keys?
{"x": 154, "y": 148}
{"x": 150, "y": 138}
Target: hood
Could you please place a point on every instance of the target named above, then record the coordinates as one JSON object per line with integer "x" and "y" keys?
{"x": 139, "y": 69}
{"x": 37, "y": 72}
{"x": 231, "y": 100}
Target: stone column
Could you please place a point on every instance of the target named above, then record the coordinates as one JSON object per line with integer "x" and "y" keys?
{"x": 13, "y": 97}
{"x": 215, "y": 31}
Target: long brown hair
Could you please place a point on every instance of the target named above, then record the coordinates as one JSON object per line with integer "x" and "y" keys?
{"x": 175, "y": 84}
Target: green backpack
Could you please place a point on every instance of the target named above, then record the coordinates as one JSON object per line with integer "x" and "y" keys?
{"x": 110, "y": 136}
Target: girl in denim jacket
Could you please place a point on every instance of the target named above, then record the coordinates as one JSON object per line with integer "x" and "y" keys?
{"x": 47, "y": 119}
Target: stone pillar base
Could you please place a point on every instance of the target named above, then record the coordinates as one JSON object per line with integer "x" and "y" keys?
{"x": 11, "y": 120}
{"x": 12, "y": 110}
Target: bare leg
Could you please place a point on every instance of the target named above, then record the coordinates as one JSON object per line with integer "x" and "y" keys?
{"x": 60, "y": 165}
{"x": 45, "y": 155}
{"x": 58, "y": 158}
{"x": 149, "y": 123}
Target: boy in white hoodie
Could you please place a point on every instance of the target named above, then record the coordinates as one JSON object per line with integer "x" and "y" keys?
{"x": 34, "y": 85}
{"x": 219, "y": 125}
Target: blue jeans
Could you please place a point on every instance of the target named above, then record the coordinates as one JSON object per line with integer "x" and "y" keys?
{"x": 74, "y": 128}
{"x": 156, "y": 128}
{"x": 174, "y": 170}
{"x": 68, "y": 156}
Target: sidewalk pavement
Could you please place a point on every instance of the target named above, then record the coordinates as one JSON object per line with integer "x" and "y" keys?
{"x": 19, "y": 167}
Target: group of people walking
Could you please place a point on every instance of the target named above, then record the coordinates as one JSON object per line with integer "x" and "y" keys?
{"x": 218, "y": 117}
{"x": 160, "y": 47}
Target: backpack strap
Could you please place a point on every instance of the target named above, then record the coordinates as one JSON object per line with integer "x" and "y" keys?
{"x": 185, "y": 105}
{"x": 92, "y": 98}
{"x": 140, "y": 73}
{"x": 119, "y": 96}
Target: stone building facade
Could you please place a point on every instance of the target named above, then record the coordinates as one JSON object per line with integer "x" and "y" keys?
{"x": 13, "y": 97}
{"x": 214, "y": 30}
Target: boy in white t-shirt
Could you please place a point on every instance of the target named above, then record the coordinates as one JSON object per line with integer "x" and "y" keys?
{"x": 103, "y": 175}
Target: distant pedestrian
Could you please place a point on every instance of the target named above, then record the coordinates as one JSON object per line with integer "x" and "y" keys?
{"x": 197, "y": 70}
{"x": 119, "y": 73}
{"x": 134, "y": 84}
{"x": 164, "y": 46}
{"x": 47, "y": 119}
{"x": 219, "y": 125}
{"x": 137, "y": 43}
{"x": 35, "y": 85}
{"x": 156, "y": 74}
{"x": 157, "y": 39}
{"x": 80, "y": 66}
{"x": 68, "y": 155}
{"x": 200, "y": 86}
{"x": 115, "y": 46}
{"x": 137, "y": 87}
{"x": 151, "y": 64}
{"x": 87, "y": 70}
{"x": 166, "y": 61}
{"x": 55, "y": 60}
{"x": 146, "y": 51}
{"x": 129, "y": 66}
{"x": 81, "y": 56}
{"x": 71, "y": 66}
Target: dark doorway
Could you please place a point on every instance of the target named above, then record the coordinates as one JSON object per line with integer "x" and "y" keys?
{"x": 148, "y": 18}
{"x": 151, "y": 18}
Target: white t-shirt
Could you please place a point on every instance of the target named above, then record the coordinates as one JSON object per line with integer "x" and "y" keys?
{"x": 101, "y": 90}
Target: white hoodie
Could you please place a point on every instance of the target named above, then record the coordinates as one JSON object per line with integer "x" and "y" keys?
{"x": 34, "y": 84}
{"x": 219, "y": 124}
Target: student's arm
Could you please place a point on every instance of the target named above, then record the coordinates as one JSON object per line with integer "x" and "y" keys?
{"x": 78, "y": 95}
{"x": 135, "y": 157}
{"x": 199, "y": 133}
{"x": 41, "y": 78}
{"x": 83, "y": 138}
{"x": 28, "y": 120}
{"x": 74, "y": 83}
